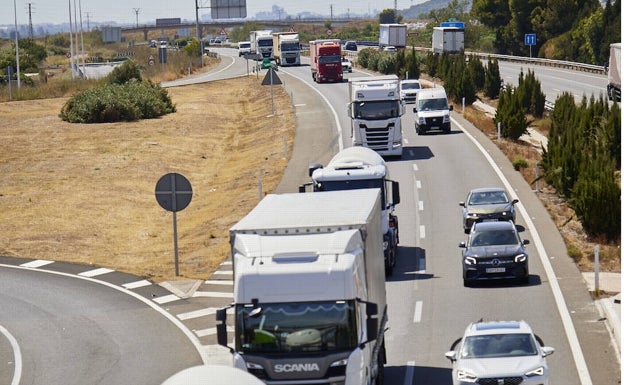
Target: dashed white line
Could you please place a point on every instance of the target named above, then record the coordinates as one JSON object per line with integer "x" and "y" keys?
{"x": 36, "y": 263}
{"x": 418, "y": 311}
{"x": 409, "y": 373}
{"x": 96, "y": 272}
{"x": 421, "y": 205}
{"x": 418, "y": 184}
{"x": 422, "y": 231}
{"x": 415, "y": 167}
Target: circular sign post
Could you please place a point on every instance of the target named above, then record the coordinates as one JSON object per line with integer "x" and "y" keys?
{"x": 174, "y": 193}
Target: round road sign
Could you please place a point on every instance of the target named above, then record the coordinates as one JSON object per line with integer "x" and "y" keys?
{"x": 173, "y": 192}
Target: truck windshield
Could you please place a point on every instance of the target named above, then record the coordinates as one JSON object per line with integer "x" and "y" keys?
{"x": 377, "y": 110}
{"x": 354, "y": 184}
{"x": 326, "y": 326}
{"x": 432, "y": 104}
{"x": 290, "y": 46}
{"x": 326, "y": 59}
{"x": 265, "y": 43}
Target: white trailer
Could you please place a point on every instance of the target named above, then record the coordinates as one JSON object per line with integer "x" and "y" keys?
{"x": 357, "y": 168}
{"x": 262, "y": 43}
{"x": 392, "y": 35}
{"x": 375, "y": 109}
{"x": 447, "y": 39}
{"x": 286, "y": 48}
{"x": 309, "y": 289}
{"x": 614, "y": 86}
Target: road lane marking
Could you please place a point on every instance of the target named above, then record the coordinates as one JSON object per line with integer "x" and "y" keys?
{"x": 96, "y": 272}
{"x": 219, "y": 282}
{"x": 421, "y": 205}
{"x": 566, "y": 319}
{"x": 418, "y": 311}
{"x": 216, "y": 294}
{"x": 418, "y": 184}
{"x": 137, "y": 284}
{"x": 415, "y": 167}
{"x": 36, "y": 263}
{"x": 17, "y": 354}
{"x": 166, "y": 299}
{"x": 422, "y": 231}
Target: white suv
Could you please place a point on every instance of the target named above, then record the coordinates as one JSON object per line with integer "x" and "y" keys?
{"x": 499, "y": 352}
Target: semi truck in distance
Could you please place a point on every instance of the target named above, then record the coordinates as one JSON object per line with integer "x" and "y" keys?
{"x": 394, "y": 35}
{"x": 262, "y": 43}
{"x": 286, "y": 48}
{"x": 375, "y": 109}
{"x": 309, "y": 289}
{"x": 614, "y": 87}
{"x": 325, "y": 60}
{"x": 361, "y": 168}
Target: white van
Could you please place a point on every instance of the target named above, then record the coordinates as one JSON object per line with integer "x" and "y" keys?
{"x": 432, "y": 110}
{"x": 244, "y": 47}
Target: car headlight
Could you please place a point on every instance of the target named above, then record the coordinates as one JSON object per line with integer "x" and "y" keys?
{"x": 472, "y": 215}
{"x": 385, "y": 245}
{"x": 520, "y": 258}
{"x": 342, "y": 362}
{"x": 446, "y": 119}
{"x": 465, "y": 376}
{"x": 421, "y": 120}
{"x": 535, "y": 372}
{"x": 470, "y": 260}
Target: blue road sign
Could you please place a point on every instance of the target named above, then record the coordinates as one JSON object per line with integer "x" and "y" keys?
{"x": 530, "y": 39}
{"x": 452, "y": 24}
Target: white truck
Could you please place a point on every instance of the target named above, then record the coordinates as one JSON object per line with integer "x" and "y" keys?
{"x": 447, "y": 40}
{"x": 359, "y": 168}
{"x": 614, "y": 86}
{"x": 286, "y": 49}
{"x": 309, "y": 289}
{"x": 375, "y": 109}
{"x": 262, "y": 43}
{"x": 394, "y": 35}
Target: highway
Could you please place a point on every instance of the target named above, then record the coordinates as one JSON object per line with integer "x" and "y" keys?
{"x": 128, "y": 337}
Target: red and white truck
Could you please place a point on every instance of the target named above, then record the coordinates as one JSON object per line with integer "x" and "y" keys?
{"x": 325, "y": 60}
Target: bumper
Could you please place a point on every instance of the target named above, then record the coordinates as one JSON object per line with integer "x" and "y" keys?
{"x": 516, "y": 271}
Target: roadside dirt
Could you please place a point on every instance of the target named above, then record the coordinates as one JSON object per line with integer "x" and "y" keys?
{"x": 84, "y": 193}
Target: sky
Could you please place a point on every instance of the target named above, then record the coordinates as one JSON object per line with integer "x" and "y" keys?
{"x": 147, "y": 11}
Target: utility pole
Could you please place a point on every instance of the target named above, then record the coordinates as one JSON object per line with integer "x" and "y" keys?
{"x": 136, "y": 10}
{"x": 331, "y": 12}
{"x": 30, "y": 26}
{"x": 19, "y": 84}
{"x": 396, "y": 16}
{"x": 88, "y": 16}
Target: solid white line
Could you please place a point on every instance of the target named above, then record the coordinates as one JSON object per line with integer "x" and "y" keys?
{"x": 418, "y": 311}
{"x": 136, "y": 284}
{"x": 36, "y": 263}
{"x": 17, "y": 354}
{"x": 409, "y": 373}
{"x": 96, "y": 272}
{"x": 422, "y": 231}
{"x": 575, "y": 345}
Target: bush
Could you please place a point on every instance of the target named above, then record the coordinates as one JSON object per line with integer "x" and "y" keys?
{"x": 118, "y": 102}
{"x": 124, "y": 73}
{"x": 519, "y": 163}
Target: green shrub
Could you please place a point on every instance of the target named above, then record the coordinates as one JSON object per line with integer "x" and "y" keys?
{"x": 519, "y": 163}
{"x": 124, "y": 73}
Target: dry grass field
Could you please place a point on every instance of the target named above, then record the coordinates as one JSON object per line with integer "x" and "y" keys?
{"x": 85, "y": 192}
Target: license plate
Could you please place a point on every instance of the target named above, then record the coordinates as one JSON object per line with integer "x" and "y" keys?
{"x": 490, "y": 220}
{"x": 495, "y": 270}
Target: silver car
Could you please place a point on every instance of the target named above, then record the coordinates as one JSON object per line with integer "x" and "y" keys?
{"x": 499, "y": 352}
{"x": 487, "y": 204}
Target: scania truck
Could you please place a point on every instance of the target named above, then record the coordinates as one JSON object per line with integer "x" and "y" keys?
{"x": 375, "y": 110}
{"x": 309, "y": 290}
{"x": 286, "y": 49}
{"x": 360, "y": 168}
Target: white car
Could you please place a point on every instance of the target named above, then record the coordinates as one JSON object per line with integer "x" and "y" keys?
{"x": 347, "y": 66}
{"x": 409, "y": 90}
{"x": 390, "y": 49}
{"x": 499, "y": 352}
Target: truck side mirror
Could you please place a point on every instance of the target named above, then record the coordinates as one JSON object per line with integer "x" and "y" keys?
{"x": 313, "y": 167}
{"x": 415, "y": 110}
{"x": 451, "y": 107}
{"x": 221, "y": 316}
{"x": 372, "y": 324}
{"x": 396, "y": 196}
{"x": 371, "y": 309}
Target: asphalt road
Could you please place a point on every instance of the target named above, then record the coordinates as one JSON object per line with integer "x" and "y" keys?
{"x": 428, "y": 305}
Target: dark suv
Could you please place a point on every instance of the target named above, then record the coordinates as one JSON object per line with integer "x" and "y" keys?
{"x": 494, "y": 250}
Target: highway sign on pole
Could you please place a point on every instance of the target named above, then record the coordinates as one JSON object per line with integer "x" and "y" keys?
{"x": 530, "y": 39}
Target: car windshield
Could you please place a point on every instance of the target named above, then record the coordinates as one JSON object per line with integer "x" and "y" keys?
{"x": 433, "y": 104}
{"x": 494, "y": 238}
{"x": 498, "y": 345}
{"x": 297, "y": 327}
{"x": 488, "y": 198}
